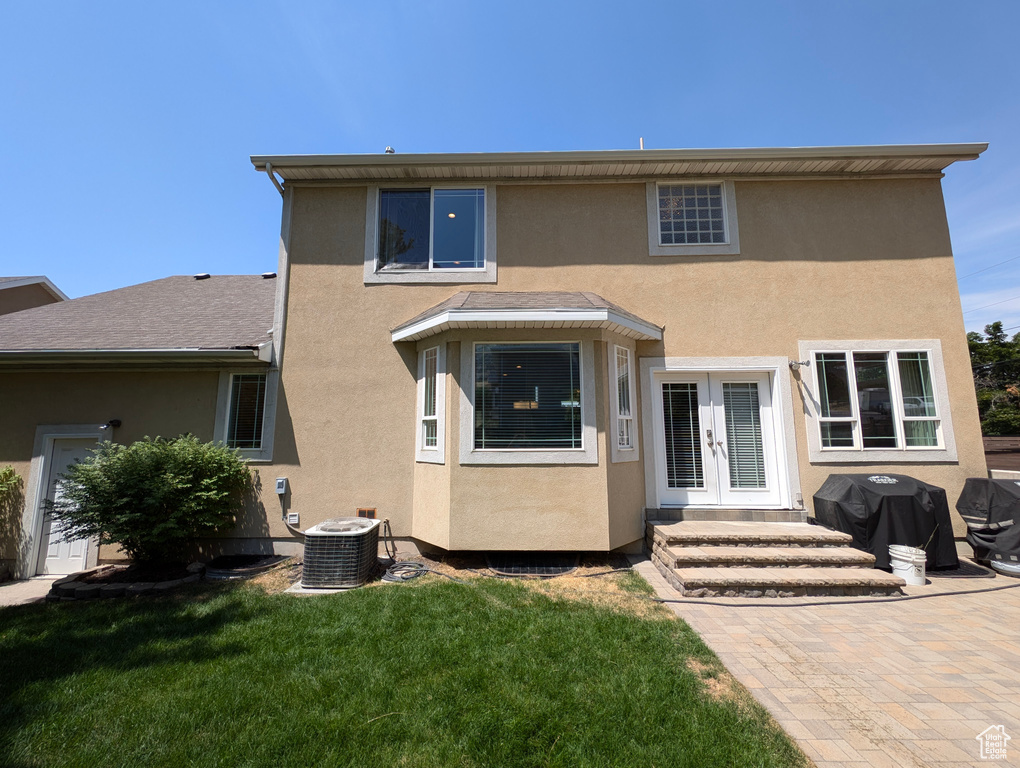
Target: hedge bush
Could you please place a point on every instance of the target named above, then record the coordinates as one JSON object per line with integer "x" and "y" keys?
{"x": 152, "y": 497}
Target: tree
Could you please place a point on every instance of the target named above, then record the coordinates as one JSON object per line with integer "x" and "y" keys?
{"x": 154, "y": 496}
{"x": 996, "y": 362}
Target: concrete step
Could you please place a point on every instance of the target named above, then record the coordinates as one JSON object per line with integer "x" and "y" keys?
{"x": 783, "y": 582}
{"x": 675, "y": 514}
{"x": 740, "y": 534}
{"x": 763, "y": 557}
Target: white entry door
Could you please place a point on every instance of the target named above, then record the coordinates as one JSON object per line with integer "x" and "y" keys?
{"x": 57, "y": 553}
{"x": 715, "y": 440}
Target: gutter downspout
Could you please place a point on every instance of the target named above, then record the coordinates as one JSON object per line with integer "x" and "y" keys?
{"x": 272, "y": 178}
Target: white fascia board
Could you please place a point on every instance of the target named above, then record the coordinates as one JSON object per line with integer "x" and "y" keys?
{"x": 569, "y": 317}
{"x": 968, "y": 151}
{"x": 42, "y": 280}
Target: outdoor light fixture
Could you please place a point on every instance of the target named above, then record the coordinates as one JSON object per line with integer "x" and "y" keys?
{"x": 452, "y": 215}
{"x": 795, "y": 364}
{"x": 114, "y": 423}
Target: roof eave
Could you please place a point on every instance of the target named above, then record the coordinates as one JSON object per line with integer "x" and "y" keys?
{"x": 949, "y": 152}
{"x": 134, "y": 357}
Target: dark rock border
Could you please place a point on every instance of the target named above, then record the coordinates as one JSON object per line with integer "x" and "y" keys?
{"x": 69, "y": 588}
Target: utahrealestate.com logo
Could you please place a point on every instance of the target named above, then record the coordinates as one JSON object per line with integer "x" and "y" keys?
{"x": 993, "y": 742}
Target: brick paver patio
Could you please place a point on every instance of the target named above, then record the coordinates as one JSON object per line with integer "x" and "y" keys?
{"x": 905, "y": 683}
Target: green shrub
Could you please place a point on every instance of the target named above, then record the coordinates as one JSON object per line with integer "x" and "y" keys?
{"x": 10, "y": 481}
{"x": 152, "y": 496}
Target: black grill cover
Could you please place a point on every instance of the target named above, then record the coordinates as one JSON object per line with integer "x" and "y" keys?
{"x": 991, "y": 510}
{"x": 879, "y": 510}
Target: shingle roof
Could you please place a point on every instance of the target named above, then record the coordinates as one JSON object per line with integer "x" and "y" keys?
{"x": 536, "y": 309}
{"x": 221, "y": 312}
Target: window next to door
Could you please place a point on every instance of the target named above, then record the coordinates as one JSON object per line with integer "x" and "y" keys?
{"x": 623, "y": 389}
{"x": 878, "y": 400}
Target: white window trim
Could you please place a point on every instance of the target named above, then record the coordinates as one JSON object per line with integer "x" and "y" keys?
{"x": 422, "y": 454}
{"x": 251, "y": 455}
{"x": 616, "y": 452}
{"x": 586, "y": 454}
{"x": 421, "y": 276}
{"x": 918, "y": 455}
{"x": 730, "y": 248}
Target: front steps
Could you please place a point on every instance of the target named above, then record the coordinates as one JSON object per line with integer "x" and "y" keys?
{"x": 751, "y": 559}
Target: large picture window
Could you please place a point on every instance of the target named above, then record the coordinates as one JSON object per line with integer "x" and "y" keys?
{"x": 431, "y": 229}
{"x": 527, "y": 397}
{"x": 876, "y": 400}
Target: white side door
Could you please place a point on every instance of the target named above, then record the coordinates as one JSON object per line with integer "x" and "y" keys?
{"x": 58, "y": 554}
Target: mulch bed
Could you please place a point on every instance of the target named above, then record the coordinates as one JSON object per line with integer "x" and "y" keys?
{"x": 154, "y": 572}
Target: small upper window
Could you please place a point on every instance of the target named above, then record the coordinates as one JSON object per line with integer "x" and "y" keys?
{"x": 247, "y": 410}
{"x": 692, "y": 218}
{"x": 431, "y": 229}
{"x": 691, "y": 213}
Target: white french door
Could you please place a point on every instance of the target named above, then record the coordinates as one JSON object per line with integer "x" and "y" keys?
{"x": 715, "y": 439}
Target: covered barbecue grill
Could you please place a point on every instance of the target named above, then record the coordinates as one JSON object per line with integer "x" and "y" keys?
{"x": 991, "y": 510}
{"x": 879, "y": 510}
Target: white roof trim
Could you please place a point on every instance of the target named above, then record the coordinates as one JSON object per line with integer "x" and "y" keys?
{"x": 529, "y": 318}
{"x": 852, "y": 161}
{"x": 42, "y": 280}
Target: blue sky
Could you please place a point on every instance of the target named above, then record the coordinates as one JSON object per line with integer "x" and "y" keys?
{"x": 125, "y": 128}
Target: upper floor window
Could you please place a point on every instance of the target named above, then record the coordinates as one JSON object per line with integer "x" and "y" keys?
{"x": 692, "y": 218}
{"x": 691, "y": 213}
{"x": 430, "y": 235}
{"x": 432, "y": 229}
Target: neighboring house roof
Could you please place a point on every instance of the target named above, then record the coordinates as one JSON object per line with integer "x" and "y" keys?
{"x": 222, "y": 313}
{"x": 854, "y": 161}
{"x": 545, "y": 309}
{"x": 41, "y": 280}
{"x": 20, "y": 293}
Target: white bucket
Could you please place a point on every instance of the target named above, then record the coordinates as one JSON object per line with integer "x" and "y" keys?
{"x": 908, "y": 563}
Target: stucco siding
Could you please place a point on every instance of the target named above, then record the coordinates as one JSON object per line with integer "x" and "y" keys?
{"x": 823, "y": 259}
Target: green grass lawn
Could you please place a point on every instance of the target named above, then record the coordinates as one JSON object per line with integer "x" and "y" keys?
{"x": 431, "y": 673}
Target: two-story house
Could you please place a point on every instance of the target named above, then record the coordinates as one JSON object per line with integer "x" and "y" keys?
{"x": 533, "y": 351}
{"x": 527, "y": 351}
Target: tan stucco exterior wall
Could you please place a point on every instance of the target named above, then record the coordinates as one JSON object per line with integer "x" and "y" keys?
{"x": 826, "y": 259}
{"x": 24, "y": 297}
{"x": 147, "y": 403}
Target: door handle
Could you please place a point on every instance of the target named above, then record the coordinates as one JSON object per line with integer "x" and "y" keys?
{"x": 708, "y": 435}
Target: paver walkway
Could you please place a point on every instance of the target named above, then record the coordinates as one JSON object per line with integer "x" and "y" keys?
{"x": 28, "y": 591}
{"x": 905, "y": 683}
